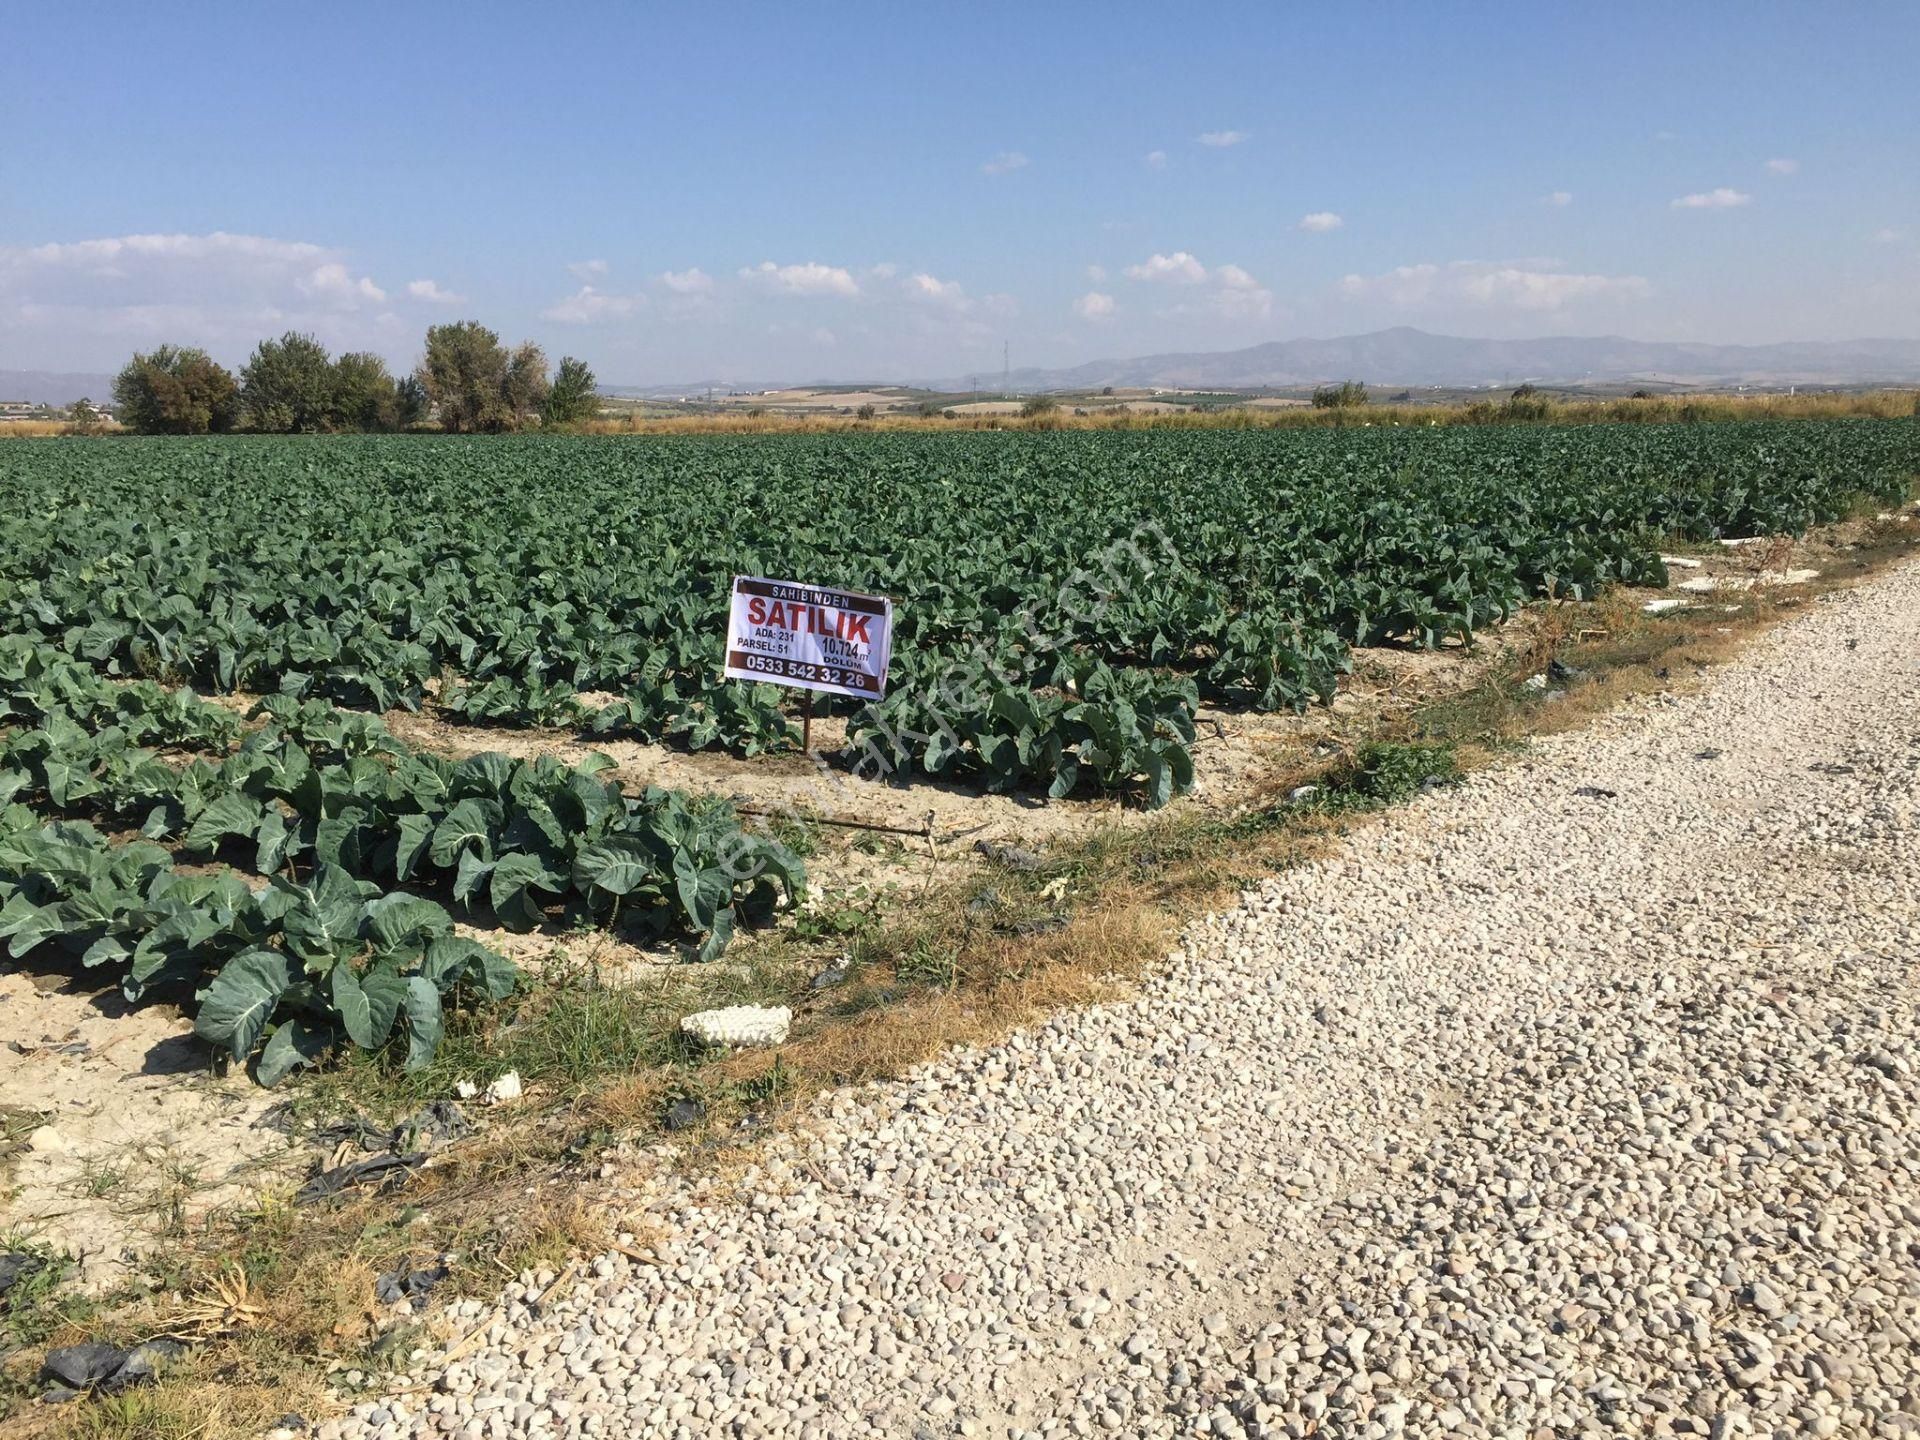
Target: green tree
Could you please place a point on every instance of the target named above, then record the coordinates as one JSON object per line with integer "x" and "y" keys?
{"x": 364, "y": 394}
{"x": 288, "y": 385}
{"x": 85, "y": 419}
{"x": 176, "y": 391}
{"x": 527, "y": 385}
{"x": 410, "y": 402}
{"x": 1344, "y": 396}
{"x": 573, "y": 396}
{"x": 475, "y": 384}
{"x": 465, "y": 376}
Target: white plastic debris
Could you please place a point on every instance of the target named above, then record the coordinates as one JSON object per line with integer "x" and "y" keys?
{"x": 1680, "y": 562}
{"x": 740, "y": 1025}
{"x": 1536, "y": 682}
{"x": 1747, "y": 540}
{"x": 1661, "y": 607}
{"x": 506, "y": 1088}
{"x": 465, "y": 1089}
{"x": 1699, "y": 586}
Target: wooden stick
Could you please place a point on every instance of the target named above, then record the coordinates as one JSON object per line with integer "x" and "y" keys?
{"x": 806, "y": 723}
{"x": 918, "y": 832}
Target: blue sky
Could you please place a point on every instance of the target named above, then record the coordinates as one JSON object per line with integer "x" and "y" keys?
{"x": 762, "y": 191}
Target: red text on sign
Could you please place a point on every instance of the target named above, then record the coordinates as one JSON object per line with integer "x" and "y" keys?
{"x": 810, "y": 619}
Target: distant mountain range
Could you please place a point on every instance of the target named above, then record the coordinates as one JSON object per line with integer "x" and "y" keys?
{"x": 54, "y": 387}
{"x": 1404, "y": 356}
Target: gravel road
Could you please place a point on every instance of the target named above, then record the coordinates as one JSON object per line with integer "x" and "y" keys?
{"x": 1579, "y": 1099}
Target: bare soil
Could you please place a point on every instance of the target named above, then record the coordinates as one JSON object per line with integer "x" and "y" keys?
{"x": 125, "y": 1136}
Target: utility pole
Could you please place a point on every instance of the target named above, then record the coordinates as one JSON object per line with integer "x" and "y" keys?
{"x": 1006, "y": 371}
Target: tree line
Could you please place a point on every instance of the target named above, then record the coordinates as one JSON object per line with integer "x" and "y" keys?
{"x": 468, "y": 382}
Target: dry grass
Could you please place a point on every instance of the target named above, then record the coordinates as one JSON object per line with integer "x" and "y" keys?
{"x": 196, "y": 1402}
{"x": 43, "y": 429}
{"x": 276, "y": 1299}
{"x": 1665, "y": 409}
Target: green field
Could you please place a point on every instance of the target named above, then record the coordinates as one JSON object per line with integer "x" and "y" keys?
{"x": 1065, "y": 602}
{"x": 1064, "y": 598}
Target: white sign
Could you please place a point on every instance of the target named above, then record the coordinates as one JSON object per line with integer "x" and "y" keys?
{"x": 810, "y": 636}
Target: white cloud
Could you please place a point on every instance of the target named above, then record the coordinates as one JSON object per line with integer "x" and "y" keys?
{"x": 1405, "y": 284}
{"x": 431, "y": 292}
{"x": 332, "y": 283}
{"x": 824, "y": 336}
{"x": 1560, "y": 197}
{"x": 588, "y": 306}
{"x": 811, "y": 278}
{"x": 1097, "y": 274}
{"x": 1179, "y": 268}
{"x": 73, "y": 302}
{"x": 1512, "y": 285}
{"x": 1154, "y": 159}
{"x": 254, "y": 257}
{"x": 1723, "y": 198}
{"x": 687, "y": 282}
{"x": 1003, "y": 162}
{"x": 1888, "y": 235}
{"x": 1093, "y": 306}
{"x": 1321, "y": 221}
{"x": 1545, "y": 289}
{"x": 1783, "y": 166}
{"x": 1222, "y": 139}
{"x": 1225, "y": 290}
{"x": 119, "y": 253}
{"x": 1239, "y": 296}
{"x": 587, "y": 270}
{"x": 924, "y": 287}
